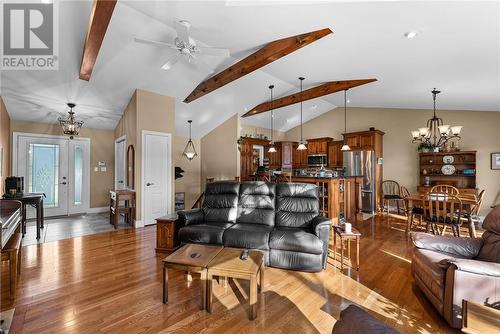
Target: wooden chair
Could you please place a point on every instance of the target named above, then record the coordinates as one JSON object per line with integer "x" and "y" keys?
{"x": 12, "y": 253}
{"x": 116, "y": 198}
{"x": 391, "y": 192}
{"x": 445, "y": 189}
{"x": 414, "y": 211}
{"x": 474, "y": 212}
{"x": 442, "y": 209}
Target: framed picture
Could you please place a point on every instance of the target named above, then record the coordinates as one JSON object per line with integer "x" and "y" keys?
{"x": 180, "y": 201}
{"x": 495, "y": 160}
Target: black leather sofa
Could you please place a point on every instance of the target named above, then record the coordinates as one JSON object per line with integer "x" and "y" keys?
{"x": 282, "y": 220}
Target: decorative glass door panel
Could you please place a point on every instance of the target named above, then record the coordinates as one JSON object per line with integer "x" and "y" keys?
{"x": 43, "y": 172}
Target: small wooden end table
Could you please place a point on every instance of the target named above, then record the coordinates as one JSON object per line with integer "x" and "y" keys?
{"x": 166, "y": 233}
{"x": 346, "y": 237}
{"x": 191, "y": 258}
{"x": 227, "y": 263}
{"x": 479, "y": 319}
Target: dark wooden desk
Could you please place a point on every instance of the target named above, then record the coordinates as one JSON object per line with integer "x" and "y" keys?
{"x": 36, "y": 201}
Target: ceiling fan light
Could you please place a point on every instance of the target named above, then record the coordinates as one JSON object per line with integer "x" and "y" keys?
{"x": 302, "y": 147}
{"x": 345, "y": 147}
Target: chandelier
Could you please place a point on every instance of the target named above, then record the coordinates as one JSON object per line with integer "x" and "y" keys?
{"x": 70, "y": 125}
{"x": 436, "y": 133}
{"x": 190, "y": 151}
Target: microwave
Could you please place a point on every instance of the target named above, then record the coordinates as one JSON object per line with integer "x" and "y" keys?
{"x": 317, "y": 160}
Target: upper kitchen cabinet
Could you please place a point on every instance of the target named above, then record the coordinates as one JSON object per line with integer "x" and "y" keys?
{"x": 318, "y": 145}
{"x": 335, "y": 156}
{"x": 364, "y": 140}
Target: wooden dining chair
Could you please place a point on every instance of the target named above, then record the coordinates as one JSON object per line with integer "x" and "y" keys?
{"x": 473, "y": 215}
{"x": 446, "y": 189}
{"x": 391, "y": 192}
{"x": 442, "y": 209}
{"x": 414, "y": 211}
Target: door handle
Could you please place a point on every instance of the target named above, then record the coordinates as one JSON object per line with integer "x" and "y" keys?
{"x": 120, "y": 181}
{"x": 149, "y": 184}
{"x": 63, "y": 182}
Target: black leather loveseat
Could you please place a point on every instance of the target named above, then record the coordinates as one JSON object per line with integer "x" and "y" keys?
{"x": 282, "y": 220}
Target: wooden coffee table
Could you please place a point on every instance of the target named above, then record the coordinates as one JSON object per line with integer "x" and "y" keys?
{"x": 191, "y": 258}
{"x": 227, "y": 263}
{"x": 479, "y": 319}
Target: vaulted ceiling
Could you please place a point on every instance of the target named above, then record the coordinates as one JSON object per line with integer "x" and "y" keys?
{"x": 457, "y": 49}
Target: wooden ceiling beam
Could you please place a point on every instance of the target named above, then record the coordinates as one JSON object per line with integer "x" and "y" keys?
{"x": 311, "y": 93}
{"x": 102, "y": 10}
{"x": 266, "y": 55}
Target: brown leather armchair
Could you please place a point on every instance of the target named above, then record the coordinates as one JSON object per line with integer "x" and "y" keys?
{"x": 451, "y": 269}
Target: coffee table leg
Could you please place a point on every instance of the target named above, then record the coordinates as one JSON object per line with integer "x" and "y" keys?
{"x": 357, "y": 253}
{"x": 253, "y": 297}
{"x": 334, "y": 247}
{"x": 261, "y": 276}
{"x": 203, "y": 289}
{"x": 209, "y": 293}
{"x": 165, "y": 284}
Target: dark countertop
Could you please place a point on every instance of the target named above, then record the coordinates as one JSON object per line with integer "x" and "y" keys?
{"x": 324, "y": 177}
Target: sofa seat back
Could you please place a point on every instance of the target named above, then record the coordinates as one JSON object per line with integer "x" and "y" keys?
{"x": 256, "y": 203}
{"x": 297, "y": 204}
{"x": 220, "y": 204}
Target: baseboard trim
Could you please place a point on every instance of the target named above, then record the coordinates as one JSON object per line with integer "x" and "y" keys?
{"x": 138, "y": 223}
{"x": 98, "y": 209}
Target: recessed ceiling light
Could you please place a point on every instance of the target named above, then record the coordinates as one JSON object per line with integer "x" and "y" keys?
{"x": 246, "y": 109}
{"x": 411, "y": 34}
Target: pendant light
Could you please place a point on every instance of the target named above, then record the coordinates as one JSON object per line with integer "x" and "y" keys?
{"x": 272, "y": 149}
{"x": 70, "y": 125}
{"x": 190, "y": 151}
{"x": 345, "y": 147}
{"x": 301, "y": 146}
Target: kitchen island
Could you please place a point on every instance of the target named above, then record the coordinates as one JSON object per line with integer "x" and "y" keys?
{"x": 337, "y": 194}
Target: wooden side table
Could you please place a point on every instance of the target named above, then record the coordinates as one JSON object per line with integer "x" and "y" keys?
{"x": 479, "y": 319}
{"x": 346, "y": 238}
{"x": 166, "y": 233}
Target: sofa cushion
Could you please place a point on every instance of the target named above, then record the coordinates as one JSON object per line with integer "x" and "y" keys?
{"x": 295, "y": 239}
{"x": 296, "y": 204}
{"x": 221, "y": 202}
{"x": 491, "y": 237}
{"x": 203, "y": 233}
{"x": 355, "y": 320}
{"x": 249, "y": 236}
{"x": 256, "y": 203}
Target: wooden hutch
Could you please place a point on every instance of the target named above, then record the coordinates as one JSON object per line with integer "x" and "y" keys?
{"x": 457, "y": 169}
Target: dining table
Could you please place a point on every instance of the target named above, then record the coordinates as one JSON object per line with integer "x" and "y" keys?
{"x": 469, "y": 202}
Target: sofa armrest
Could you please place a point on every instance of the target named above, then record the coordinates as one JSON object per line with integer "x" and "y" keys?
{"x": 189, "y": 217}
{"x": 321, "y": 227}
{"x": 462, "y": 247}
{"x": 475, "y": 266}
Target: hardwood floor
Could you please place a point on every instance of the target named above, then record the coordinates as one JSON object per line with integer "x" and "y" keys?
{"x": 111, "y": 283}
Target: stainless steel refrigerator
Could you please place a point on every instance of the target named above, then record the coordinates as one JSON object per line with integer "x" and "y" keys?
{"x": 362, "y": 163}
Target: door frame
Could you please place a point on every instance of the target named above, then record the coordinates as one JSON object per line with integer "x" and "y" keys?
{"x": 169, "y": 176}
{"x": 117, "y": 140}
{"x": 14, "y": 165}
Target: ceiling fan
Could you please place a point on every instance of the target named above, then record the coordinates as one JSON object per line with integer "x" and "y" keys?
{"x": 186, "y": 47}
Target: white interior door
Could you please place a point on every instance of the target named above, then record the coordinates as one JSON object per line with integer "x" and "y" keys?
{"x": 156, "y": 175}
{"x": 120, "y": 162}
{"x": 56, "y": 166}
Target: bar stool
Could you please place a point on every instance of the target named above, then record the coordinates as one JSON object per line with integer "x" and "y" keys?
{"x": 127, "y": 197}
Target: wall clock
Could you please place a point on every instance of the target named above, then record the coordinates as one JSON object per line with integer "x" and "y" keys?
{"x": 448, "y": 169}
{"x": 448, "y": 159}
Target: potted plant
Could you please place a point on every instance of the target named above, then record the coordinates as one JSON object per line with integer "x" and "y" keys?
{"x": 425, "y": 147}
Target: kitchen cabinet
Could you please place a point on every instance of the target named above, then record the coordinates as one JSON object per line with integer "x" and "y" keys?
{"x": 275, "y": 157}
{"x": 335, "y": 155}
{"x": 299, "y": 158}
{"x": 249, "y": 153}
{"x": 287, "y": 154}
{"x": 318, "y": 145}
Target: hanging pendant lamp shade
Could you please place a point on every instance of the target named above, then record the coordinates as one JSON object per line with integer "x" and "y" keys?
{"x": 272, "y": 149}
{"x": 70, "y": 125}
{"x": 345, "y": 147}
{"x": 190, "y": 151}
{"x": 302, "y": 146}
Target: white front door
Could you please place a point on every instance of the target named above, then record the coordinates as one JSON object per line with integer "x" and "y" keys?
{"x": 120, "y": 163}
{"x": 57, "y": 167}
{"x": 156, "y": 175}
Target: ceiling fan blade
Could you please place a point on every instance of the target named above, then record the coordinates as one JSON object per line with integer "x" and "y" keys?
{"x": 182, "y": 28}
{"x": 205, "y": 50}
{"x": 171, "y": 62}
{"x": 147, "y": 41}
